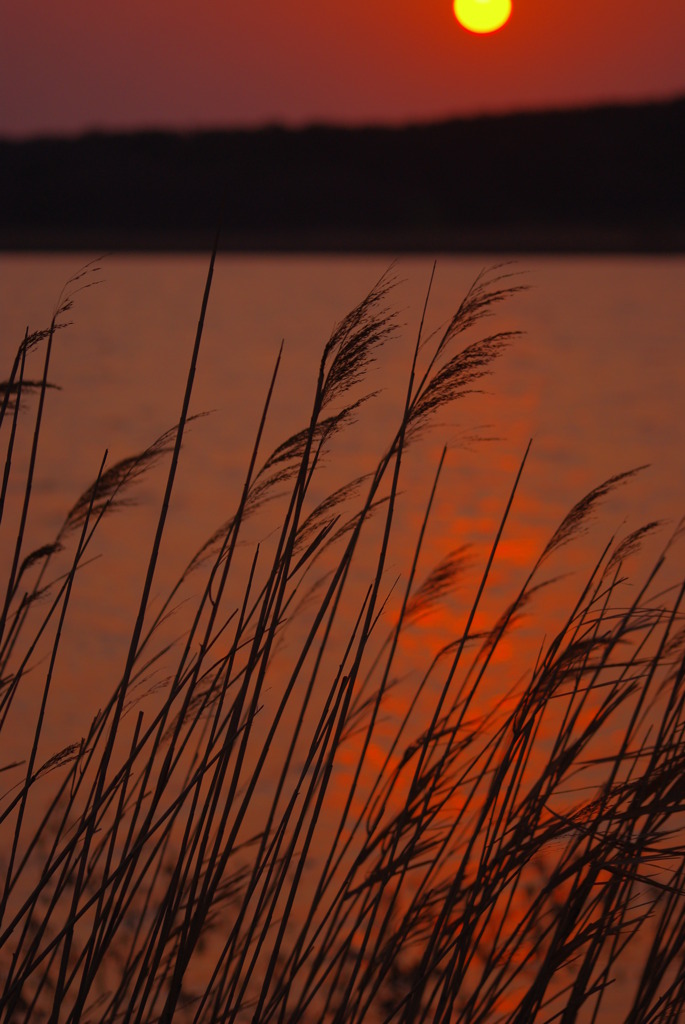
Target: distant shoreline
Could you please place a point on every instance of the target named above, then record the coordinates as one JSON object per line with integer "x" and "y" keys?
{"x": 599, "y": 180}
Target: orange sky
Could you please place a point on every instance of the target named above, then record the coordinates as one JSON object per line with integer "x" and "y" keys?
{"x": 69, "y": 65}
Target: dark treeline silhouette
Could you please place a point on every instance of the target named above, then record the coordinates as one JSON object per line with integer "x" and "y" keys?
{"x": 604, "y": 178}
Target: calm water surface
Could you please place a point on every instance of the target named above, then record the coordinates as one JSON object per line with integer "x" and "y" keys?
{"x": 596, "y": 380}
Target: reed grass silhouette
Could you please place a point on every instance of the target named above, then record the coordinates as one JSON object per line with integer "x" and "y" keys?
{"x": 242, "y": 836}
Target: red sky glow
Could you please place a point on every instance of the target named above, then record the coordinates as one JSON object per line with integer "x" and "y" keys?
{"x": 73, "y": 66}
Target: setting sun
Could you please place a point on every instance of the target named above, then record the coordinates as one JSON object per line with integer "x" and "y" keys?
{"x": 482, "y": 15}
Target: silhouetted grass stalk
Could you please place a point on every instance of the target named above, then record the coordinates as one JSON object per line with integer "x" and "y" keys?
{"x": 498, "y": 854}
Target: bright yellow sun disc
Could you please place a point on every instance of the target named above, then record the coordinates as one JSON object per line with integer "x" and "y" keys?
{"x": 482, "y": 15}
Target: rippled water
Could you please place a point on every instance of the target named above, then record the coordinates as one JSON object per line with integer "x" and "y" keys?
{"x": 596, "y": 380}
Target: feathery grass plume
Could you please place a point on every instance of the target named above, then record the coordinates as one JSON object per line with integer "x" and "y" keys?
{"x": 632, "y": 544}
{"x": 308, "y": 818}
{"x": 439, "y": 582}
{"x": 456, "y": 377}
{"x": 353, "y": 345}
{"x": 295, "y": 447}
{"x": 105, "y": 494}
{"x": 11, "y": 392}
{"x": 41, "y": 553}
{"x": 485, "y": 293}
{"x": 575, "y": 522}
{"x": 444, "y": 379}
{"x": 322, "y": 519}
{"x": 35, "y": 338}
{"x": 62, "y": 757}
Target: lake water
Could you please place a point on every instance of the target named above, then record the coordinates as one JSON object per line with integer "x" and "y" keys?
{"x": 596, "y": 379}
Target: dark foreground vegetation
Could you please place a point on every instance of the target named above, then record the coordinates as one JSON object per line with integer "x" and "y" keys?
{"x": 273, "y": 817}
{"x": 604, "y": 179}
